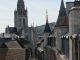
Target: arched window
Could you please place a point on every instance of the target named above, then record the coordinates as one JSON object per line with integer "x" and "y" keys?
{"x": 23, "y": 22}
{"x": 20, "y": 22}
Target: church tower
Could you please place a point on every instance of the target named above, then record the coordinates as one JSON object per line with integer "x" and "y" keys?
{"x": 20, "y": 16}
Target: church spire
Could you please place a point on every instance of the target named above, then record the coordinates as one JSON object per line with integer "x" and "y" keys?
{"x": 20, "y": 5}
{"x": 62, "y": 11}
{"x": 62, "y": 17}
{"x": 19, "y": 1}
{"x": 46, "y": 16}
{"x": 47, "y": 28}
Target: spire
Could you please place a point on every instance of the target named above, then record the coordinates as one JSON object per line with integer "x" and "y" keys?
{"x": 47, "y": 28}
{"x": 20, "y": 4}
{"x": 62, "y": 18}
{"x": 19, "y": 1}
{"x": 62, "y": 11}
{"x": 33, "y": 24}
{"x": 46, "y": 16}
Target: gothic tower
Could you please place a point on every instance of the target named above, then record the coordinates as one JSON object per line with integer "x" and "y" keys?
{"x": 20, "y": 16}
{"x": 61, "y": 26}
{"x": 47, "y": 33}
{"x": 47, "y": 30}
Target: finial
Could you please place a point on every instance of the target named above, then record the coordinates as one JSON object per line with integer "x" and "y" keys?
{"x": 46, "y": 16}
{"x": 46, "y": 12}
{"x": 33, "y": 24}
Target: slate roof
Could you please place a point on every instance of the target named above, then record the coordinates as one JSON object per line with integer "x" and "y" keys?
{"x": 47, "y": 28}
{"x": 62, "y": 18}
{"x": 12, "y": 29}
{"x": 41, "y": 47}
{"x": 9, "y": 43}
{"x": 62, "y": 11}
{"x": 2, "y": 45}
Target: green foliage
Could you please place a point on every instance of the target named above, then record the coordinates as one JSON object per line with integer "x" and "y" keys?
{"x": 41, "y": 28}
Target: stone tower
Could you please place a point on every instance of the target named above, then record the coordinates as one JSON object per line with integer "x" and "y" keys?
{"x": 20, "y": 16}
{"x": 47, "y": 33}
{"x": 47, "y": 30}
{"x": 61, "y": 26}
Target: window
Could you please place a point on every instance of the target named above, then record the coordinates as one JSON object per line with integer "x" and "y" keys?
{"x": 23, "y": 22}
{"x": 50, "y": 41}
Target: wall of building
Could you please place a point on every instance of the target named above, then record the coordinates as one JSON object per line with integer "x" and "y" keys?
{"x": 74, "y": 21}
{"x": 74, "y": 26}
{"x": 59, "y": 32}
{"x": 45, "y": 38}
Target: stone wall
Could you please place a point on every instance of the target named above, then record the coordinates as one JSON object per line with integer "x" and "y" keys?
{"x": 74, "y": 21}
{"x": 59, "y": 32}
{"x": 69, "y": 5}
{"x": 74, "y": 25}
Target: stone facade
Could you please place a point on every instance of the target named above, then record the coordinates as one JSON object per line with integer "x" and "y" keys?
{"x": 69, "y": 5}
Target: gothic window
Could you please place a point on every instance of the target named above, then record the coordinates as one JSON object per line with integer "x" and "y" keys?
{"x": 23, "y": 22}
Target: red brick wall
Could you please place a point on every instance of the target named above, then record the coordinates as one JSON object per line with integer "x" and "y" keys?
{"x": 9, "y": 54}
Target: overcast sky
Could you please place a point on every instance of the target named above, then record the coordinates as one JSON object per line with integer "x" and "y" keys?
{"x": 36, "y": 11}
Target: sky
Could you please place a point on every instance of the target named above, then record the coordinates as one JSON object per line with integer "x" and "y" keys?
{"x": 36, "y": 11}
